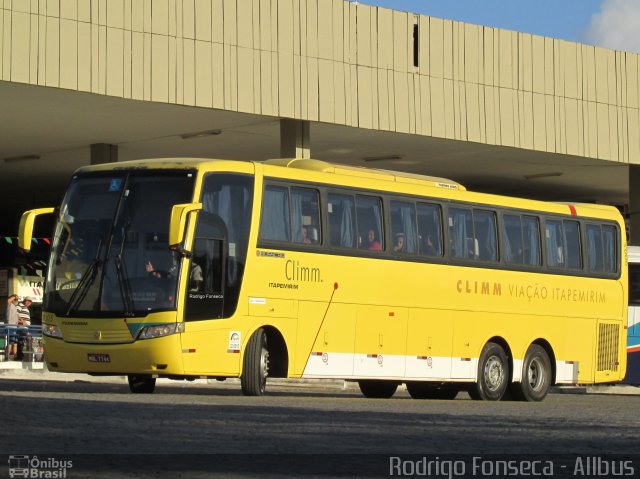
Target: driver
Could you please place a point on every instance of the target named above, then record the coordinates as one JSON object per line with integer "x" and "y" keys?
{"x": 195, "y": 274}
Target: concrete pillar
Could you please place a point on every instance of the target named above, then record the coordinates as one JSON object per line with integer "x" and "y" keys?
{"x": 294, "y": 139}
{"x": 634, "y": 205}
{"x": 103, "y": 153}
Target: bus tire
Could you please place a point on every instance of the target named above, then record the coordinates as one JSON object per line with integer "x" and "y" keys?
{"x": 429, "y": 390}
{"x": 141, "y": 383}
{"x": 493, "y": 373}
{"x": 536, "y": 375}
{"x": 372, "y": 388}
{"x": 255, "y": 366}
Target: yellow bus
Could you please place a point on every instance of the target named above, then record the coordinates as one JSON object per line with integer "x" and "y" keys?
{"x": 186, "y": 268}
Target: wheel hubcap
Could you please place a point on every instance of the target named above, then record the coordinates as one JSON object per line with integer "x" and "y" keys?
{"x": 264, "y": 365}
{"x": 535, "y": 374}
{"x": 493, "y": 373}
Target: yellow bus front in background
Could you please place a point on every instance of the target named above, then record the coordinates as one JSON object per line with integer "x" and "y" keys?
{"x": 186, "y": 268}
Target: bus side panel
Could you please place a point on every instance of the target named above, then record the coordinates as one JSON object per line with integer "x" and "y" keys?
{"x": 429, "y": 343}
{"x": 325, "y": 348}
{"x": 381, "y": 342}
{"x": 206, "y": 349}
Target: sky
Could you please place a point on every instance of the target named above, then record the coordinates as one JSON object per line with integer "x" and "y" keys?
{"x": 607, "y": 23}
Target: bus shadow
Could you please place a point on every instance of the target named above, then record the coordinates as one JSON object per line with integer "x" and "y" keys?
{"x": 182, "y": 388}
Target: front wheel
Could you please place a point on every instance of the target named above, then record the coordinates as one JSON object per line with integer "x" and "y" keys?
{"x": 255, "y": 366}
{"x": 536, "y": 375}
{"x": 493, "y": 374}
{"x": 141, "y": 384}
{"x": 372, "y": 388}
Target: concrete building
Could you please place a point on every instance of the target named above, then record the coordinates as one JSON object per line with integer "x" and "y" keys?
{"x": 88, "y": 81}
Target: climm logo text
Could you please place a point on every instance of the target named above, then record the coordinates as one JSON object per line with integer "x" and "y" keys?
{"x": 294, "y": 271}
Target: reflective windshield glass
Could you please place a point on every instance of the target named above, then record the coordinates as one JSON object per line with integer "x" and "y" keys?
{"x": 110, "y": 252}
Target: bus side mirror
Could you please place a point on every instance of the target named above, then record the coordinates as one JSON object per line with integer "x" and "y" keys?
{"x": 25, "y": 234}
{"x": 179, "y": 215}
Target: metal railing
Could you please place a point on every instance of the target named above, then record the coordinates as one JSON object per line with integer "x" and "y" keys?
{"x": 28, "y": 337}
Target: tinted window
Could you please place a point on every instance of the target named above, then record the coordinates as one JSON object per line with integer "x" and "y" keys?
{"x": 403, "y": 227}
{"x": 342, "y": 217}
{"x": 513, "y": 251}
{"x": 555, "y": 243}
{"x": 563, "y": 244}
{"x": 609, "y": 245}
{"x": 531, "y": 241}
{"x": 572, "y": 237}
{"x": 369, "y": 210}
{"x": 461, "y": 239}
{"x": 594, "y": 252}
{"x": 227, "y": 199}
{"x": 601, "y": 248}
{"x": 274, "y": 224}
{"x": 429, "y": 229}
{"x": 305, "y": 216}
{"x": 484, "y": 223}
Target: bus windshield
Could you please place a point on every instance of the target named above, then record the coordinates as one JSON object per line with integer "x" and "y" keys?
{"x": 110, "y": 254}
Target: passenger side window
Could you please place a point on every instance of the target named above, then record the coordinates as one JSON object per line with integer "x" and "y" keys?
{"x": 521, "y": 240}
{"x": 305, "y": 216}
{"x": 473, "y": 234}
{"x": 369, "y": 211}
{"x": 461, "y": 239}
{"x": 484, "y": 224}
{"x": 594, "y": 252}
{"x": 403, "y": 227}
{"x": 610, "y": 247}
{"x": 513, "y": 239}
{"x": 274, "y": 222}
{"x": 572, "y": 238}
{"x": 429, "y": 229}
{"x": 563, "y": 244}
{"x": 531, "y": 241}
{"x": 342, "y": 218}
{"x": 555, "y": 243}
{"x": 601, "y": 248}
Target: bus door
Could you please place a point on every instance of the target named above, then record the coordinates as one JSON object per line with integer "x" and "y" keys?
{"x": 206, "y": 337}
{"x": 204, "y": 297}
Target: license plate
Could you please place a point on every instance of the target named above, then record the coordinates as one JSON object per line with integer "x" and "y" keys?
{"x": 99, "y": 358}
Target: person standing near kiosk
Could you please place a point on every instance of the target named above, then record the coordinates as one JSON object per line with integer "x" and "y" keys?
{"x": 24, "y": 321}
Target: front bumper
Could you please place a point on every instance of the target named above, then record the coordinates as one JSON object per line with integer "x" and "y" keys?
{"x": 161, "y": 356}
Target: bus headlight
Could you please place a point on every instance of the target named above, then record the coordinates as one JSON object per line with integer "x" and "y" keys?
{"x": 159, "y": 330}
{"x": 51, "y": 330}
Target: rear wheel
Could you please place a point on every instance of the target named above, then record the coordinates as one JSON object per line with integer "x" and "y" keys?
{"x": 255, "y": 366}
{"x": 372, "y": 388}
{"x": 429, "y": 390}
{"x": 493, "y": 373}
{"x": 536, "y": 375}
{"x": 141, "y": 383}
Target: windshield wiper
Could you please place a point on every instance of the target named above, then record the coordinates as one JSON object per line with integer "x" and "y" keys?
{"x": 121, "y": 272}
{"x": 87, "y": 280}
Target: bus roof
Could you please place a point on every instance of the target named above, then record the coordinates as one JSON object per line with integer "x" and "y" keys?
{"x": 368, "y": 173}
{"x": 447, "y": 189}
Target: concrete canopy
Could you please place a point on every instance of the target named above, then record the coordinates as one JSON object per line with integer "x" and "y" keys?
{"x": 47, "y": 133}
{"x": 498, "y": 111}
